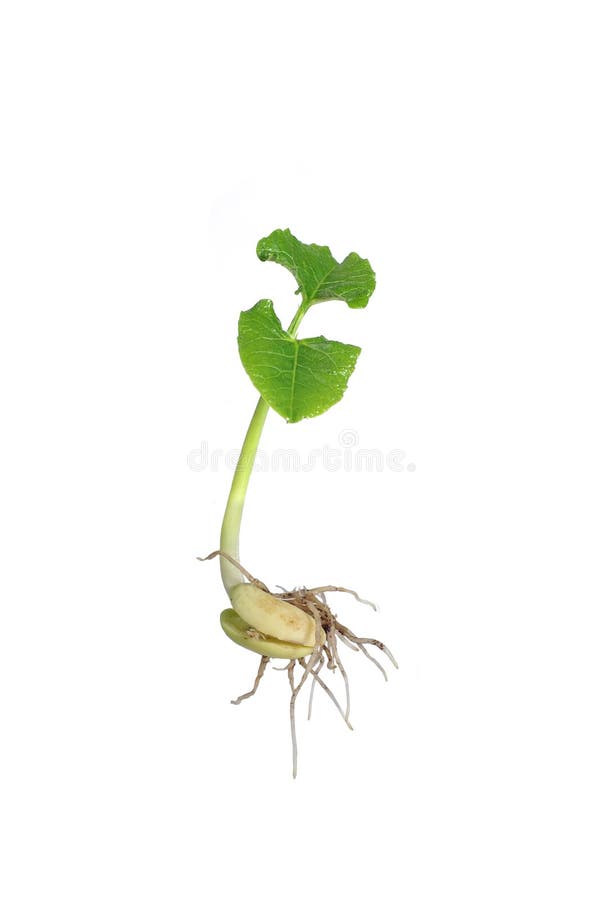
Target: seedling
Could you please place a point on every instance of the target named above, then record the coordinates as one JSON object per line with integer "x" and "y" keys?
{"x": 298, "y": 378}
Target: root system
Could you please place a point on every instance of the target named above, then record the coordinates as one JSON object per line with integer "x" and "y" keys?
{"x": 313, "y": 602}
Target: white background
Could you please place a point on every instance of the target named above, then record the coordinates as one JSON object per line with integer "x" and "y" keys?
{"x": 146, "y": 147}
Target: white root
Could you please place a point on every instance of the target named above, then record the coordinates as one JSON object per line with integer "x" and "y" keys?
{"x": 259, "y": 676}
{"x": 348, "y": 643}
{"x": 312, "y": 688}
{"x": 329, "y": 589}
{"x": 327, "y": 690}
{"x": 372, "y": 659}
{"x": 295, "y": 690}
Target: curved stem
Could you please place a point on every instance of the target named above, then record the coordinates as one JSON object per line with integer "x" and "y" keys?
{"x": 236, "y": 499}
{"x": 231, "y": 576}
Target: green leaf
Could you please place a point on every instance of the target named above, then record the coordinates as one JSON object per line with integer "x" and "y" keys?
{"x": 298, "y": 378}
{"x": 319, "y": 276}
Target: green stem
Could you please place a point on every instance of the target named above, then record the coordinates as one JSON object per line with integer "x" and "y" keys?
{"x": 236, "y": 499}
{"x": 296, "y": 321}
